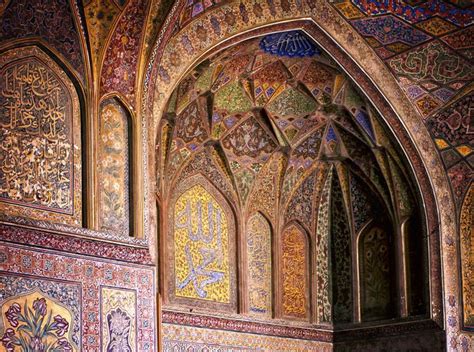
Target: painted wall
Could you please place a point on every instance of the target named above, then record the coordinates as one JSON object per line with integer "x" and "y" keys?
{"x": 85, "y": 303}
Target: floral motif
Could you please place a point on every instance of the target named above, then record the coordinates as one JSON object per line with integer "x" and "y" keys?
{"x": 60, "y": 325}
{"x": 12, "y": 314}
{"x": 39, "y": 305}
{"x": 33, "y": 329}
{"x": 119, "y": 329}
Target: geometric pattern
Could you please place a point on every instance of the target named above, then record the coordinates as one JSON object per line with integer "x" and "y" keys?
{"x": 430, "y": 73}
{"x": 389, "y": 29}
{"x": 452, "y": 131}
{"x": 273, "y": 115}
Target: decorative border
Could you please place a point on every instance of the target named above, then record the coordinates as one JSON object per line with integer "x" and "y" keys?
{"x": 201, "y": 321}
{"x": 68, "y": 243}
{"x": 92, "y": 273}
{"x": 85, "y": 233}
{"x": 354, "y": 332}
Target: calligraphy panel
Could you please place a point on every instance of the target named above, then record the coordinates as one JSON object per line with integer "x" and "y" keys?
{"x": 259, "y": 259}
{"x": 114, "y": 156}
{"x": 40, "y": 151}
{"x": 294, "y": 259}
{"x": 203, "y": 233}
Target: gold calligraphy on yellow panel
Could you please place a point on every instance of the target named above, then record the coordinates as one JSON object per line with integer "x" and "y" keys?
{"x": 201, "y": 247}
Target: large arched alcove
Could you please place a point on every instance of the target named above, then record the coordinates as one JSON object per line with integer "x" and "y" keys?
{"x": 277, "y": 108}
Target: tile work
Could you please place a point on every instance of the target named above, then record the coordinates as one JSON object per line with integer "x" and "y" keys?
{"x": 92, "y": 302}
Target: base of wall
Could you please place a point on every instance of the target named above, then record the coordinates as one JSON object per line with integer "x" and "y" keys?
{"x": 184, "y": 331}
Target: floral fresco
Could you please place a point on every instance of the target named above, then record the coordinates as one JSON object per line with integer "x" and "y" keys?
{"x": 118, "y": 317}
{"x": 114, "y": 168}
{"x": 36, "y": 323}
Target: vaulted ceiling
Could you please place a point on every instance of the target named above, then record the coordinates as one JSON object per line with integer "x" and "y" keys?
{"x": 277, "y": 109}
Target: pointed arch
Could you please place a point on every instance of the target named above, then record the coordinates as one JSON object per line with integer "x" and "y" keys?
{"x": 200, "y": 247}
{"x": 259, "y": 265}
{"x": 115, "y": 167}
{"x": 375, "y": 273}
{"x": 41, "y": 138}
{"x": 295, "y": 272}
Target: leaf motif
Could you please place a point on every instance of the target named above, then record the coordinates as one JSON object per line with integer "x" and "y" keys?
{"x": 46, "y": 326}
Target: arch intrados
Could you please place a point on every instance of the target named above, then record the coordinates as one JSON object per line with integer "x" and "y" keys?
{"x": 386, "y": 96}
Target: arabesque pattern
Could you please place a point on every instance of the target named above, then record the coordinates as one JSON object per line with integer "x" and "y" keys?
{"x": 294, "y": 261}
{"x": 264, "y": 122}
{"x": 259, "y": 253}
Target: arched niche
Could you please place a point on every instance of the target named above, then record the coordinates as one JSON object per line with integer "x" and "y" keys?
{"x": 294, "y": 273}
{"x": 343, "y": 138}
{"x": 259, "y": 265}
{"x": 467, "y": 258}
{"x": 414, "y": 263}
{"x": 201, "y": 248}
{"x": 376, "y": 275}
{"x": 404, "y": 125}
{"x": 40, "y": 151}
{"x": 114, "y": 165}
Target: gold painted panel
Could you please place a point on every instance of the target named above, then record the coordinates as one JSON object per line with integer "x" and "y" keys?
{"x": 52, "y": 324}
{"x": 114, "y": 180}
{"x": 259, "y": 258}
{"x": 294, "y": 259}
{"x": 40, "y": 150}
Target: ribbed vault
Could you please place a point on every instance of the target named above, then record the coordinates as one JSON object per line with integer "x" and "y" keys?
{"x": 278, "y": 130}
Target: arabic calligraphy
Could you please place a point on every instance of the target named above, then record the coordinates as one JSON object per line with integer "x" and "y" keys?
{"x": 201, "y": 247}
{"x": 294, "y": 271}
{"x": 36, "y": 149}
{"x": 259, "y": 253}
